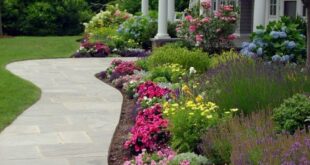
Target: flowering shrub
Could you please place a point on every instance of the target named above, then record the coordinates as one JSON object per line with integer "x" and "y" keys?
{"x": 89, "y": 49}
{"x": 150, "y": 89}
{"x": 149, "y": 131}
{"x": 188, "y": 121}
{"x": 213, "y": 31}
{"x": 124, "y": 80}
{"x": 281, "y": 42}
{"x": 126, "y": 68}
{"x": 118, "y": 69}
{"x": 161, "y": 157}
{"x": 140, "y": 29}
{"x": 112, "y": 17}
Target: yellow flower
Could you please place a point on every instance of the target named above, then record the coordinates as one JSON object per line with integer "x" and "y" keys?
{"x": 209, "y": 116}
{"x": 166, "y": 105}
{"x": 234, "y": 109}
{"x": 191, "y": 113}
{"x": 199, "y": 99}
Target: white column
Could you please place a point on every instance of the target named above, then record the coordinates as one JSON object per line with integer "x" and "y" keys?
{"x": 162, "y": 20}
{"x": 145, "y": 7}
{"x": 259, "y": 13}
{"x": 171, "y": 10}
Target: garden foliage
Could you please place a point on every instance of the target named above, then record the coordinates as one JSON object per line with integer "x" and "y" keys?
{"x": 253, "y": 85}
{"x": 281, "y": 41}
{"x": 253, "y": 140}
{"x": 294, "y": 113}
{"x": 140, "y": 29}
{"x": 182, "y": 56}
{"x": 211, "y": 31}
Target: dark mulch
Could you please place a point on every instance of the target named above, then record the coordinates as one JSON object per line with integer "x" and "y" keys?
{"x": 117, "y": 154}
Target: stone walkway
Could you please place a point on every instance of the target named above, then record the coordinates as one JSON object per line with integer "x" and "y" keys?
{"x": 73, "y": 122}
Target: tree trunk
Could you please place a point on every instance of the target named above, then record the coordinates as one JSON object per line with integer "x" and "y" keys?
{"x": 308, "y": 37}
{"x": 1, "y": 30}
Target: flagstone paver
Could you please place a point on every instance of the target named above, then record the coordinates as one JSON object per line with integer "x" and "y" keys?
{"x": 72, "y": 123}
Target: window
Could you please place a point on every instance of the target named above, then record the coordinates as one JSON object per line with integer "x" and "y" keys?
{"x": 214, "y": 5}
{"x": 228, "y": 2}
{"x": 273, "y": 7}
{"x": 304, "y": 11}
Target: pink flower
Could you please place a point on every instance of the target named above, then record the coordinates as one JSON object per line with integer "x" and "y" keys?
{"x": 199, "y": 38}
{"x": 149, "y": 132}
{"x": 126, "y": 68}
{"x": 117, "y": 13}
{"x": 205, "y": 20}
{"x": 228, "y": 8}
{"x": 192, "y": 28}
{"x": 232, "y": 37}
{"x": 188, "y": 17}
{"x": 206, "y": 4}
{"x": 185, "y": 162}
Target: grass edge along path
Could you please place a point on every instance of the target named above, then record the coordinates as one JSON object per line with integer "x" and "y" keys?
{"x": 17, "y": 94}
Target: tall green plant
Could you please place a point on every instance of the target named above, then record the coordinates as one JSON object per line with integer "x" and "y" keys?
{"x": 251, "y": 86}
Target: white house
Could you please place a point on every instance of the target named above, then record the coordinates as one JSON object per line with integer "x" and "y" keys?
{"x": 260, "y": 12}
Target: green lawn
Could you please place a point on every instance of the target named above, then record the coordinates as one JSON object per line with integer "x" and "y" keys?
{"x": 16, "y": 94}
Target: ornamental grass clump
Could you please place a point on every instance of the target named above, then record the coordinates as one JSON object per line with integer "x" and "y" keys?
{"x": 253, "y": 85}
{"x": 252, "y": 139}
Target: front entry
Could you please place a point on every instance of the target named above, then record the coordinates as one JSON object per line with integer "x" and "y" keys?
{"x": 290, "y": 9}
{"x": 246, "y": 16}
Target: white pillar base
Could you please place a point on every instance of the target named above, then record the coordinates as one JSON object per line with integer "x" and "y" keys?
{"x": 162, "y": 36}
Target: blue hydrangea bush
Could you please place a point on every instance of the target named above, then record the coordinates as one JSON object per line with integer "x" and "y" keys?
{"x": 281, "y": 41}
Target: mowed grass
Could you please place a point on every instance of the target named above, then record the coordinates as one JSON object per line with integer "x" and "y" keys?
{"x": 16, "y": 94}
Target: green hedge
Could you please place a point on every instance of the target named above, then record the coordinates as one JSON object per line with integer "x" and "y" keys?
{"x": 44, "y": 17}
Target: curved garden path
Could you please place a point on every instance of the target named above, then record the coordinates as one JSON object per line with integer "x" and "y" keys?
{"x": 72, "y": 123}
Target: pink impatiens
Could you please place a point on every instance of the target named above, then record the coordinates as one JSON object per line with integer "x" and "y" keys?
{"x": 150, "y": 89}
{"x": 126, "y": 68}
{"x": 149, "y": 131}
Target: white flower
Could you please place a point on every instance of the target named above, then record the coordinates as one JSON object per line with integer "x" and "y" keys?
{"x": 145, "y": 98}
{"x": 192, "y": 70}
